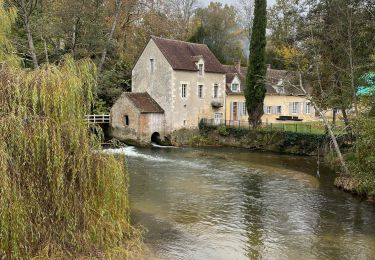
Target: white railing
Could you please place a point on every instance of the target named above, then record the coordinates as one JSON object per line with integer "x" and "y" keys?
{"x": 98, "y": 119}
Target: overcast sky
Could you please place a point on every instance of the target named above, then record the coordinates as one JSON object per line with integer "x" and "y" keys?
{"x": 233, "y": 2}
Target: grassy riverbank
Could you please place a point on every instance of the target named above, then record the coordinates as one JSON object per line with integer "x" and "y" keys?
{"x": 259, "y": 139}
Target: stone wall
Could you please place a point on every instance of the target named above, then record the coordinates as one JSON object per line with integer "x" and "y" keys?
{"x": 187, "y": 111}
{"x": 272, "y": 141}
{"x": 124, "y": 107}
{"x": 158, "y": 83}
{"x": 141, "y": 125}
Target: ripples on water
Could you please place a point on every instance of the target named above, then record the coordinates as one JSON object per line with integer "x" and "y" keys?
{"x": 223, "y": 203}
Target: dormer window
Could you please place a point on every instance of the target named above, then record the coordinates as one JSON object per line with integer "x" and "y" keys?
{"x": 235, "y": 87}
{"x": 200, "y": 69}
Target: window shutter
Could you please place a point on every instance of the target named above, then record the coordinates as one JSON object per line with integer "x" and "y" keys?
{"x": 312, "y": 109}
{"x": 231, "y": 110}
{"x": 298, "y": 108}
{"x": 265, "y": 109}
{"x": 304, "y": 104}
{"x": 240, "y": 109}
{"x": 290, "y": 108}
{"x": 274, "y": 110}
{"x": 244, "y": 108}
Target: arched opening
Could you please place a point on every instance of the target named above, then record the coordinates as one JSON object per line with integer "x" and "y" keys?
{"x": 126, "y": 120}
{"x": 155, "y": 138}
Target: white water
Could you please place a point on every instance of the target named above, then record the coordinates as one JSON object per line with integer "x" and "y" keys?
{"x": 162, "y": 146}
{"x": 131, "y": 151}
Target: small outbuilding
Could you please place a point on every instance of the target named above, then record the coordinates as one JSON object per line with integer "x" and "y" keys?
{"x": 137, "y": 117}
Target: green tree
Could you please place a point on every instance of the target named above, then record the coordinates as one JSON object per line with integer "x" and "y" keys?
{"x": 216, "y": 26}
{"x": 255, "y": 82}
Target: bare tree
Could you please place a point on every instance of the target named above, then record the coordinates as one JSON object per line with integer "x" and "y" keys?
{"x": 117, "y": 13}
{"x": 183, "y": 10}
{"x": 246, "y": 14}
{"x": 25, "y": 9}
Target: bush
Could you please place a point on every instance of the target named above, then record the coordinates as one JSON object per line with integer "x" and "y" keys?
{"x": 204, "y": 128}
{"x": 362, "y": 165}
{"x": 223, "y": 131}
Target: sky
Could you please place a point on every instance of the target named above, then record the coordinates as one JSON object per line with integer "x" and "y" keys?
{"x": 233, "y": 2}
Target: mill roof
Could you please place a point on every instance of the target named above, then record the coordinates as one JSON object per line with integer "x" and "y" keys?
{"x": 144, "y": 102}
{"x": 184, "y": 55}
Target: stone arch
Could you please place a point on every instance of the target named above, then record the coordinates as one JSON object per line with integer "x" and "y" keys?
{"x": 155, "y": 138}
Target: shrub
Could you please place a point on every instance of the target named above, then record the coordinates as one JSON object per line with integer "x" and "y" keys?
{"x": 223, "y": 131}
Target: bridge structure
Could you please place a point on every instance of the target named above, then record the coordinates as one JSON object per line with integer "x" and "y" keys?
{"x": 98, "y": 119}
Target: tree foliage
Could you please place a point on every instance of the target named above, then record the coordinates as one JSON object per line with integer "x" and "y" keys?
{"x": 255, "y": 82}
{"x": 58, "y": 198}
{"x": 217, "y": 26}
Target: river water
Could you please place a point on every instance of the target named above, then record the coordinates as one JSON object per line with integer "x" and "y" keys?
{"x": 224, "y": 203}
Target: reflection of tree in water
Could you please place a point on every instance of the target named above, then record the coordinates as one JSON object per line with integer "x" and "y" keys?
{"x": 252, "y": 186}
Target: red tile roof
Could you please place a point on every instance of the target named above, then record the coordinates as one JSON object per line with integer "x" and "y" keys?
{"x": 183, "y": 55}
{"x": 144, "y": 102}
{"x": 273, "y": 78}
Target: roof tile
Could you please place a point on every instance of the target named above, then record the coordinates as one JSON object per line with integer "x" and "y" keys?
{"x": 144, "y": 102}
{"x": 183, "y": 55}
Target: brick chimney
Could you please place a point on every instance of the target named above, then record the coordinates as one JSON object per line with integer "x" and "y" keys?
{"x": 237, "y": 65}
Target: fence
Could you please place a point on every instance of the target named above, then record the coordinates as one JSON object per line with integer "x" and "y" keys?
{"x": 300, "y": 127}
{"x": 98, "y": 119}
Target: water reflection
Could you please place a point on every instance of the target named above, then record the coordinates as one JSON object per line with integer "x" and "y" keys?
{"x": 233, "y": 204}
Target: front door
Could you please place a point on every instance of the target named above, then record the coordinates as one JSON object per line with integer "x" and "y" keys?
{"x": 218, "y": 118}
{"x": 235, "y": 111}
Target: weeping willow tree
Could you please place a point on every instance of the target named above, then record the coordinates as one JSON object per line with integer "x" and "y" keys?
{"x": 58, "y": 198}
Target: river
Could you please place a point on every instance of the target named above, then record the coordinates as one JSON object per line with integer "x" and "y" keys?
{"x": 224, "y": 203}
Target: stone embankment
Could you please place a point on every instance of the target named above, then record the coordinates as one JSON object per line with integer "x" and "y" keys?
{"x": 262, "y": 140}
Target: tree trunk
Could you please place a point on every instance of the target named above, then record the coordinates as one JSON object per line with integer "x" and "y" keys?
{"x": 30, "y": 40}
{"x": 74, "y": 35}
{"x": 347, "y": 124}
{"x": 345, "y": 169}
{"x": 45, "y": 50}
{"x": 110, "y": 36}
{"x": 334, "y": 113}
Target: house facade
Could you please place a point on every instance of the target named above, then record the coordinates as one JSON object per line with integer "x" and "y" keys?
{"x": 137, "y": 117}
{"x": 282, "y": 104}
{"x": 185, "y": 79}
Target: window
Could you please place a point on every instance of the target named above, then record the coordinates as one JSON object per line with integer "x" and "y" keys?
{"x": 126, "y": 120}
{"x": 294, "y": 107}
{"x": 235, "y": 87}
{"x": 183, "y": 90}
{"x": 278, "y": 109}
{"x": 244, "y": 110}
{"x": 216, "y": 91}
{"x": 200, "y": 91}
{"x": 308, "y": 108}
{"x": 268, "y": 110}
{"x": 200, "y": 68}
{"x": 152, "y": 65}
